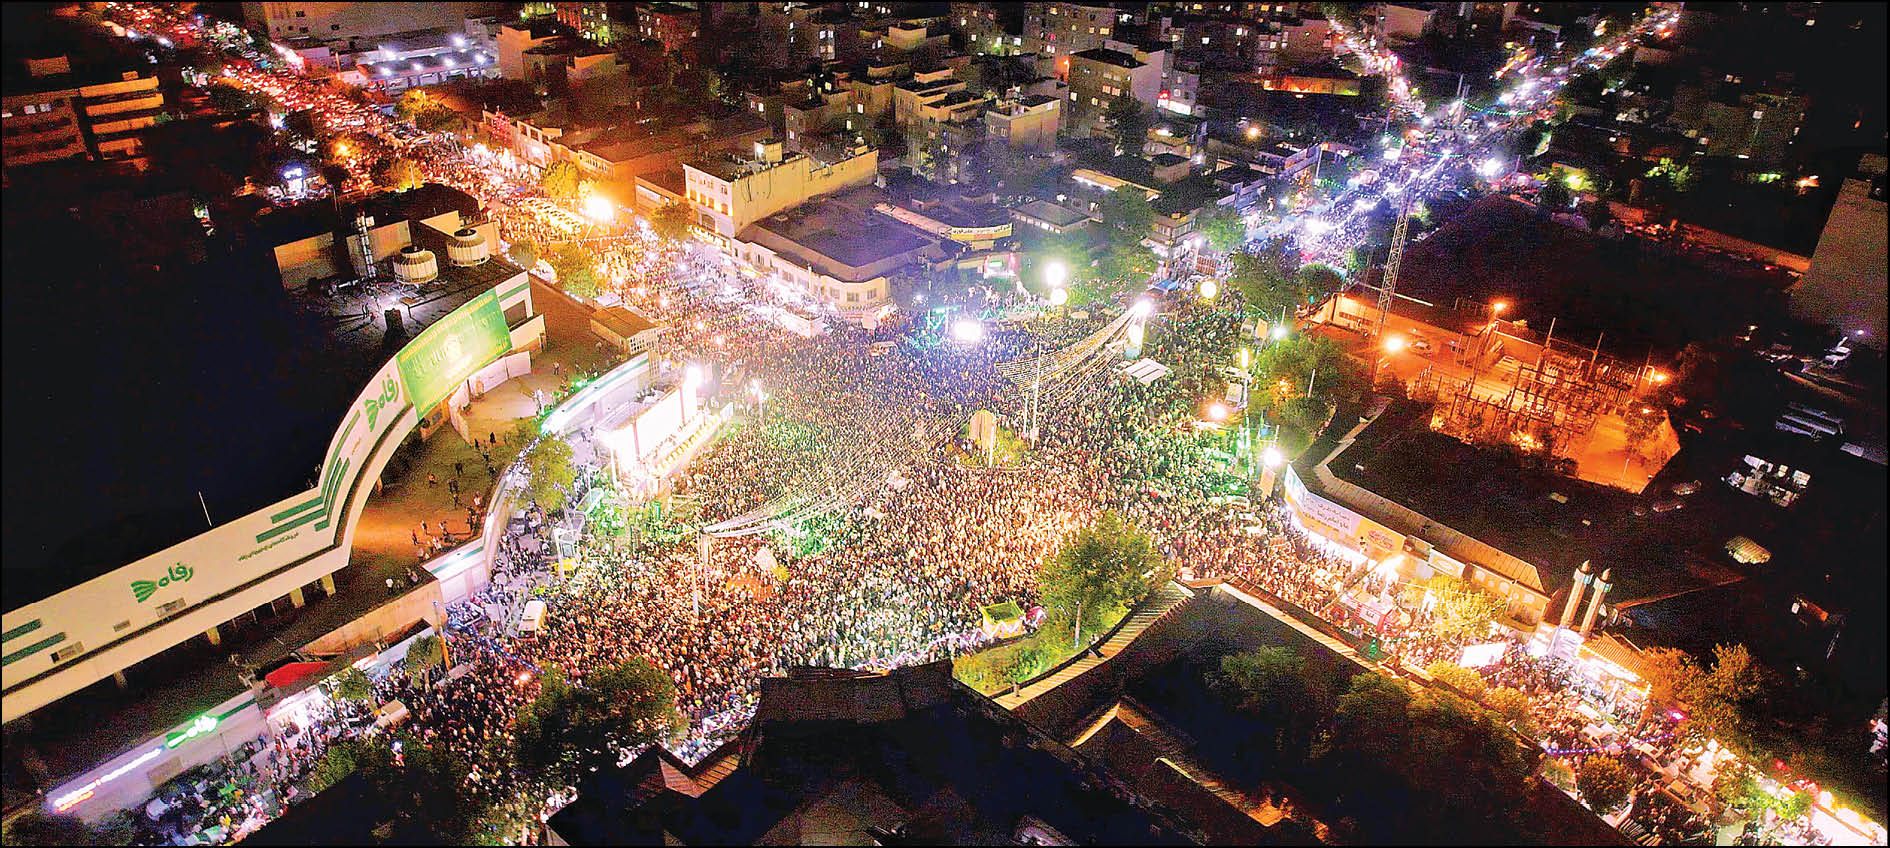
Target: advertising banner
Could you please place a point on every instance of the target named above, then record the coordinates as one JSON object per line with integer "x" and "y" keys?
{"x": 445, "y": 354}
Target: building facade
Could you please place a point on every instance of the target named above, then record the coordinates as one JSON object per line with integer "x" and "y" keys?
{"x": 730, "y": 193}
{"x": 55, "y": 116}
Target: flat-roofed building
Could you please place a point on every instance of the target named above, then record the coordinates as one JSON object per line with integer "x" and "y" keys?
{"x": 841, "y": 256}
{"x": 730, "y": 192}
{"x": 52, "y": 113}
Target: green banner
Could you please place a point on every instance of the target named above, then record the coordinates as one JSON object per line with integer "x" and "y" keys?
{"x": 445, "y": 354}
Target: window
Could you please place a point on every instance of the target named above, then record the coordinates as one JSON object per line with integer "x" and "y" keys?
{"x": 300, "y": 13}
{"x": 853, "y": 297}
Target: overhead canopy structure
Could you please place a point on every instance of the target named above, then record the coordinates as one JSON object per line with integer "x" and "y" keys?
{"x": 1145, "y": 370}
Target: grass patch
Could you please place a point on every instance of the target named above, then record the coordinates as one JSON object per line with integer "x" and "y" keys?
{"x": 993, "y": 670}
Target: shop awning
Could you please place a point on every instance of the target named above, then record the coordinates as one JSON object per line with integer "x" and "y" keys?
{"x": 294, "y": 676}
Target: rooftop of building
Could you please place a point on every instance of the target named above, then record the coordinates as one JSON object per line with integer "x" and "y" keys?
{"x": 835, "y": 239}
{"x": 434, "y": 62}
{"x": 287, "y": 365}
{"x": 1044, "y": 210}
{"x": 1109, "y": 57}
{"x": 1635, "y": 300}
{"x": 1552, "y": 522}
{"x": 908, "y": 755}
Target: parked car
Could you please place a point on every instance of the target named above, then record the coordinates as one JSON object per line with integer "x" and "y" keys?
{"x": 1687, "y": 488}
{"x": 1668, "y": 505}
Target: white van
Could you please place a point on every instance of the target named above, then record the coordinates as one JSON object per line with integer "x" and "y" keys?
{"x": 533, "y": 617}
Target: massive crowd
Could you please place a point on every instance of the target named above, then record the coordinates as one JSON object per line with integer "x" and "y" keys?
{"x": 896, "y": 541}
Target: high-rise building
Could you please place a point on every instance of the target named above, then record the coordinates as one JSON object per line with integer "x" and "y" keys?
{"x": 1062, "y": 29}
{"x": 1100, "y": 77}
{"x": 1844, "y": 286}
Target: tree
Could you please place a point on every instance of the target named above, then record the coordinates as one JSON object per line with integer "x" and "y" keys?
{"x": 40, "y": 828}
{"x": 1275, "y": 686}
{"x": 671, "y": 221}
{"x": 1126, "y": 215}
{"x": 525, "y": 254}
{"x": 1128, "y": 121}
{"x": 1223, "y": 228}
{"x": 429, "y": 786}
{"x": 1461, "y": 609}
{"x": 569, "y": 728}
{"x": 1105, "y": 567}
{"x": 354, "y": 685}
{"x": 550, "y": 471}
{"x": 1318, "y": 280}
{"x": 1464, "y": 680}
{"x": 340, "y": 760}
{"x": 1283, "y": 368}
{"x": 1555, "y": 196}
{"x": 403, "y": 174}
{"x": 576, "y": 269}
{"x": 1268, "y": 280}
{"x": 1513, "y": 706}
{"x": 425, "y": 654}
{"x": 561, "y": 180}
{"x": 1369, "y": 724}
{"x": 1123, "y": 262}
{"x": 1605, "y": 783}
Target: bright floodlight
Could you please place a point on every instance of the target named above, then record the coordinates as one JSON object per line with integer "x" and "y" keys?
{"x": 1059, "y": 296}
{"x": 1394, "y": 344}
{"x": 1489, "y": 168}
{"x": 1272, "y": 457}
{"x": 692, "y": 377}
{"x": 1217, "y": 411}
{"x": 1499, "y": 306}
{"x": 599, "y": 208}
{"x": 1362, "y": 204}
{"x": 1209, "y": 289}
{"x": 459, "y": 41}
{"x": 1055, "y": 273}
{"x": 1318, "y": 227}
{"x": 1141, "y": 309}
{"x": 967, "y": 331}
{"x": 1279, "y": 332}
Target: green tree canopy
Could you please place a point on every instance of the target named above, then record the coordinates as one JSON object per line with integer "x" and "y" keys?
{"x": 1105, "y": 567}
{"x": 1128, "y": 122}
{"x": 1268, "y": 280}
{"x": 354, "y": 685}
{"x": 1126, "y": 215}
{"x": 1605, "y": 783}
{"x": 1222, "y": 227}
{"x": 1123, "y": 264}
{"x": 429, "y": 786}
{"x": 424, "y": 654}
{"x": 1461, "y": 609}
{"x": 1555, "y": 196}
{"x": 561, "y": 180}
{"x": 1513, "y": 706}
{"x": 1276, "y": 686}
{"x": 671, "y": 221}
{"x": 576, "y": 268}
{"x": 1283, "y": 368}
{"x": 1465, "y": 680}
{"x": 570, "y": 728}
{"x": 403, "y": 175}
{"x": 551, "y": 470}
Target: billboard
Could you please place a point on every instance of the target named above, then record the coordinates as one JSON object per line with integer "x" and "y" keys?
{"x": 445, "y": 354}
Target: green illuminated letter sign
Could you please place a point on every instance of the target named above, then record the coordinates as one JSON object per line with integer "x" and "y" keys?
{"x": 435, "y": 363}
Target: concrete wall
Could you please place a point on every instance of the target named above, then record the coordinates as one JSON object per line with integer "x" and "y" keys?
{"x": 424, "y": 603}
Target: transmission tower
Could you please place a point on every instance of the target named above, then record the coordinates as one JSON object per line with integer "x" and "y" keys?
{"x": 1388, "y": 286}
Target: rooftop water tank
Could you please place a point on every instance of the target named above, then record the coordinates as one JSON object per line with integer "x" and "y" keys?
{"x": 467, "y": 248}
{"x": 415, "y": 265}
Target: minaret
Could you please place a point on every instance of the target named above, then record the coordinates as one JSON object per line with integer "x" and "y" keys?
{"x": 1594, "y": 604}
{"x": 1574, "y": 597}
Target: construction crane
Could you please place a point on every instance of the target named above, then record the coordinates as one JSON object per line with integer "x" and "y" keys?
{"x": 1388, "y": 286}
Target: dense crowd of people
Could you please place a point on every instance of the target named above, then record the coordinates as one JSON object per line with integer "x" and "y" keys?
{"x": 858, "y": 530}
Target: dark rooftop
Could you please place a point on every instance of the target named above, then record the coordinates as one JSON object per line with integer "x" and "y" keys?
{"x": 835, "y": 239}
{"x": 1487, "y": 496}
{"x": 910, "y": 755}
{"x": 1109, "y": 57}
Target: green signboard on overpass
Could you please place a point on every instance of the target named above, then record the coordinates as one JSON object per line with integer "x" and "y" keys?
{"x": 445, "y": 354}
